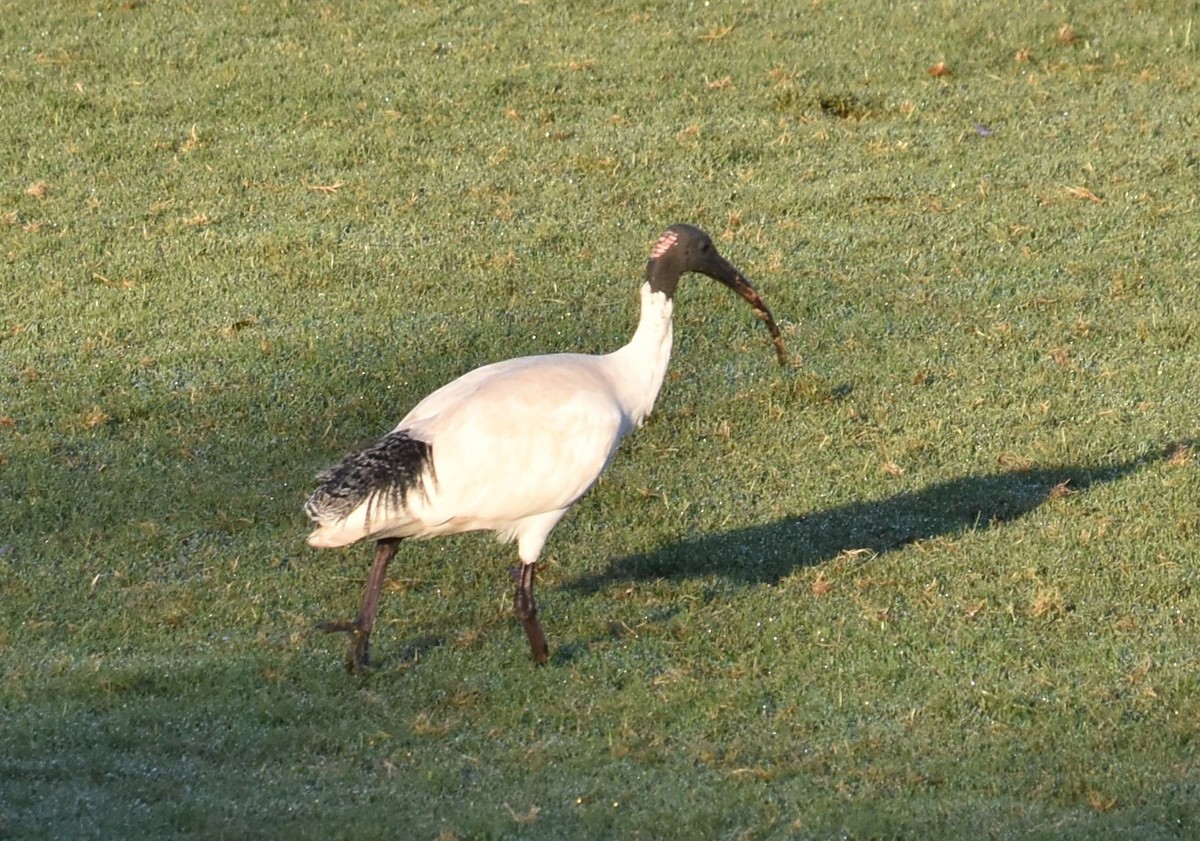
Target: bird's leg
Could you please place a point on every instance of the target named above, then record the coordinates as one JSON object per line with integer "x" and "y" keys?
{"x": 358, "y": 655}
{"x": 526, "y": 610}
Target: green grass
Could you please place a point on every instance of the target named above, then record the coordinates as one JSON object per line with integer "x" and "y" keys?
{"x": 938, "y": 580}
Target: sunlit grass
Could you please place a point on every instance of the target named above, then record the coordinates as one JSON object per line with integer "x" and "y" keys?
{"x": 936, "y": 580}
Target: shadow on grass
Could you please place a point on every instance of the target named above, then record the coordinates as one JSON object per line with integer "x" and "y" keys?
{"x": 765, "y": 554}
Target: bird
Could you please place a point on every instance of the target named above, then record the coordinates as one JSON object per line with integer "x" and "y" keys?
{"x": 509, "y": 447}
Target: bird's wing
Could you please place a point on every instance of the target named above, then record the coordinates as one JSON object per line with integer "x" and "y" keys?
{"x": 517, "y": 439}
{"x": 507, "y": 444}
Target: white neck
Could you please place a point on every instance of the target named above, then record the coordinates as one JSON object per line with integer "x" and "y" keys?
{"x": 638, "y": 368}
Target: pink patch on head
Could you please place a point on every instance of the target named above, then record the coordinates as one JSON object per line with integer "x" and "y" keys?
{"x": 663, "y": 245}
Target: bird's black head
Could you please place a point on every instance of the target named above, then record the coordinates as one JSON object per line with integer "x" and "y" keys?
{"x": 685, "y": 248}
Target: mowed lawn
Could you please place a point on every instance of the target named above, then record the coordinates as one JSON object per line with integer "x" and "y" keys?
{"x": 936, "y": 579}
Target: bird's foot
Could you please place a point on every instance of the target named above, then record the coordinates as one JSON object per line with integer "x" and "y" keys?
{"x": 537, "y": 639}
{"x": 358, "y": 653}
{"x": 537, "y": 642}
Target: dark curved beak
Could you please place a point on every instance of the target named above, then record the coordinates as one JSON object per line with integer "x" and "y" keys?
{"x": 722, "y": 270}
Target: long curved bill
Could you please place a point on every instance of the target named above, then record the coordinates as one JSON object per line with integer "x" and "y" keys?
{"x": 735, "y": 280}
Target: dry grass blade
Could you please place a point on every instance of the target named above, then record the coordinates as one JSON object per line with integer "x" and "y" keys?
{"x": 325, "y": 189}
{"x": 1083, "y": 194}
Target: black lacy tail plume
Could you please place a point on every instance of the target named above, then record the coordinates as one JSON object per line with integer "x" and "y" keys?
{"x": 384, "y": 472}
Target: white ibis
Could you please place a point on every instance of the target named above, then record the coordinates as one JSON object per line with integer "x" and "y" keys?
{"x": 509, "y": 447}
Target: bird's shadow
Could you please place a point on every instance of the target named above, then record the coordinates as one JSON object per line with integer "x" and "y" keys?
{"x": 767, "y": 553}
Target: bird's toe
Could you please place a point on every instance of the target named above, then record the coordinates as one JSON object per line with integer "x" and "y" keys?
{"x": 358, "y": 652}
